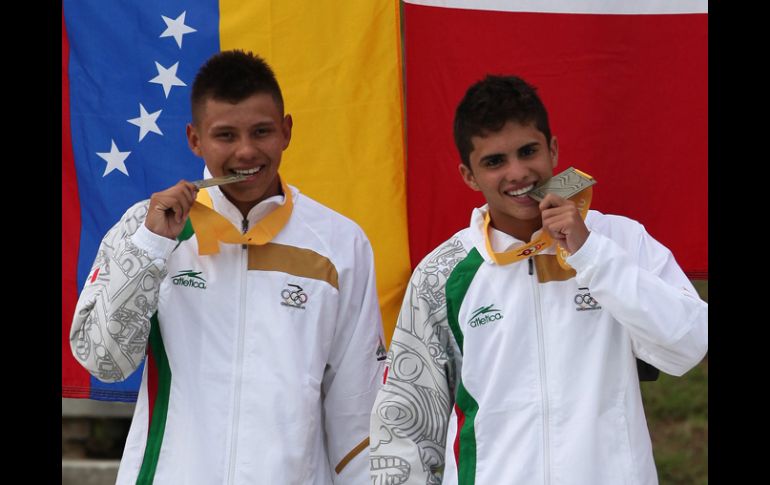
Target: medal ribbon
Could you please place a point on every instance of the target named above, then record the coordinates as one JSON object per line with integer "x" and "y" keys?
{"x": 211, "y": 228}
{"x": 582, "y": 200}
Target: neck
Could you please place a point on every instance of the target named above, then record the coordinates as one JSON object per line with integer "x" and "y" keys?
{"x": 520, "y": 229}
{"x": 245, "y": 206}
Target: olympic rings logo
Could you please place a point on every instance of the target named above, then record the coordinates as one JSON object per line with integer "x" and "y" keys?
{"x": 585, "y": 301}
{"x": 295, "y": 297}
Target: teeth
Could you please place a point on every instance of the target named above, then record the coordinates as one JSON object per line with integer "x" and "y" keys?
{"x": 522, "y": 191}
{"x": 250, "y": 171}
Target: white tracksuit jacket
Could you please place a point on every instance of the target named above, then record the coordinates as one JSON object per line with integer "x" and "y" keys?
{"x": 263, "y": 361}
{"x": 525, "y": 374}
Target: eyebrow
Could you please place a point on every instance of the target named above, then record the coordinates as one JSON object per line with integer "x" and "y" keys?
{"x": 486, "y": 158}
{"x": 258, "y": 124}
{"x": 528, "y": 145}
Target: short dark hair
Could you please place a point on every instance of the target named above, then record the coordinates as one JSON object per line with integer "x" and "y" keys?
{"x": 492, "y": 102}
{"x": 233, "y": 76}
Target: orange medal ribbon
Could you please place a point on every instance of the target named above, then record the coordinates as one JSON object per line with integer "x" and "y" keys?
{"x": 582, "y": 200}
{"x": 211, "y": 228}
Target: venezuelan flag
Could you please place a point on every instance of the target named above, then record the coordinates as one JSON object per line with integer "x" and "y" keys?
{"x": 127, "y": 69}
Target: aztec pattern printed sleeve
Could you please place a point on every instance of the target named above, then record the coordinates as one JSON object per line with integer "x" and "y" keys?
{"x": 111, "y": 324}
{"x": 410, "y": 416}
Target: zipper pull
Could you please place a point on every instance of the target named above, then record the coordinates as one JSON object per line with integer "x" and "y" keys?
{"x": 531, "y": 272}
{"x": 244, "y": 229}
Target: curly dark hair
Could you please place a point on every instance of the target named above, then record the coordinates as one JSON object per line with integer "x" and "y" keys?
{"x": 492, "y": 102}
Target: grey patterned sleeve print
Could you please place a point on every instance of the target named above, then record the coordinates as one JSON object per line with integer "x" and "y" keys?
{"x": 409, "y": 418}
{"x": 112, "y": 319}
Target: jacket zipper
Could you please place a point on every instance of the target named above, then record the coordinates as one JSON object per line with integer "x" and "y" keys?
{"x": 543, "y": 379}
{"x": 239, "y": 358}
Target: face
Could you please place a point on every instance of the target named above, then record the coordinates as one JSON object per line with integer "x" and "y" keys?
{"x": 506, "y": 164}
{"x": 247, "y": 137}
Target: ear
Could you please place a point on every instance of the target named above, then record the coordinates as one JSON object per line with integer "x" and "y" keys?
{"x": 554, "y": 149}
{"x": 286, "y": 126}
{"x": 193, "y": 140}
{"x": 468, "y": 178}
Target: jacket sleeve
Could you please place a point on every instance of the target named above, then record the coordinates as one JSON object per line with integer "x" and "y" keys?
{"x": 111, "y": 324}
{"x": 649, "y": 295}
{"x": 410, "y": 416}
{"x": 354, "y": 368}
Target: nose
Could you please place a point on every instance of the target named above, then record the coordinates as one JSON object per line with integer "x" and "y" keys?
{"x": 516, "y": 170}
{"x": 247, "y": 149}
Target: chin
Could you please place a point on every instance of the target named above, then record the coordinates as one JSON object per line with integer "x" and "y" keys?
{"x": 527, "y": 217}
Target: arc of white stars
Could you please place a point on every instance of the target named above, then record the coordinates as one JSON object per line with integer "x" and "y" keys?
{"x": 116, "y": 160}
{"x": 147, "y": 122}
{"x": 167, "y": 77}
{"x": 176, "y": 28}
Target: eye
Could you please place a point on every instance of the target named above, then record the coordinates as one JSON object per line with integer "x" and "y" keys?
{"x": 262, "y": 131}
{"x": 224, "y": 136}
{"x": 527, "y": 151}
{"x": 492, "y": 161}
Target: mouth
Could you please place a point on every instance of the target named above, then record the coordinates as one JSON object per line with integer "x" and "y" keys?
{"x": 522, "y": 192}
{"x": 247, "y": 172}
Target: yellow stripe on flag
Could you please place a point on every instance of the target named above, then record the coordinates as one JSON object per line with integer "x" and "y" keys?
{"x": 339, "y": 67}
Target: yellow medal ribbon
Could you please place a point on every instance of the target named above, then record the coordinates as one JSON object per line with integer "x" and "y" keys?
{"x": 211, "y": 228}
{"x": 582, "y": 200}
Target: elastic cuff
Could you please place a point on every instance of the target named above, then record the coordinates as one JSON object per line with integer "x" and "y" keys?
{"x": 581, "y": 258}
{"x": 157, "y": 247}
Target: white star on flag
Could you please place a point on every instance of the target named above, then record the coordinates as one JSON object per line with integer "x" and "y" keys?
{"x": 167, "y": 77}
{"x": 146, "y": 122}
{"x": 115, "y": 159}
{"x": 176, "y": 28}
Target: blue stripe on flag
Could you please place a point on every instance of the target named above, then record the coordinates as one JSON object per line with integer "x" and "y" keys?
{"x": 114, "y": 48}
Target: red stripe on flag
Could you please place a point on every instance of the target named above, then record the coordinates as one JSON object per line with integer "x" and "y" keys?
{"x": 75, "y": 380}
{"x": 627, "y": 99}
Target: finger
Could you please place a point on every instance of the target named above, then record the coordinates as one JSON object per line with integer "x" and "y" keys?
{"x": 173, "y": 210}
{"x": 559, "y": 225}
{"x": 189, "y": 194}
{"x": 189, "y": 189}
{"x": 551, "y": 200}
{"x": 557, "y": 222}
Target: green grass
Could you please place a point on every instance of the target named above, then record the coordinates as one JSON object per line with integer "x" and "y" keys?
{"x": 677, "y": 416}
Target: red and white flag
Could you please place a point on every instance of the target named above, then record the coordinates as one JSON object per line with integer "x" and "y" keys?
{"x": 625, "y": 84}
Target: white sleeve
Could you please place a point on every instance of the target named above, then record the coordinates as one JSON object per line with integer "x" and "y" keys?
{"x": 111, "y": 324}
{"x": 650, "y": 296}
{"x": 354, "y": 370}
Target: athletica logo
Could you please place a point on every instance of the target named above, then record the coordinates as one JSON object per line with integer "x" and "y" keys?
{"x": 294, "y": 297}
{"x": 585, "y": 301}
{"x": 484, "y": 315}
{"x": 190, "y": 279}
